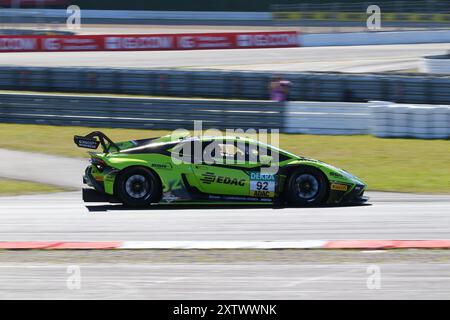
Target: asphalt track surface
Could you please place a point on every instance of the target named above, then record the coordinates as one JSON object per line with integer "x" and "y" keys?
{"x": 376, "y": 58}
{"x": 108, "y": 275}
{"x": 64, "y": 217}
{"x": 214, "y": 274}
{"x": 287, "y": 275}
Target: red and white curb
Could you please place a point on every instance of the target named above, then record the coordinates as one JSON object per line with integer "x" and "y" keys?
{"x": 165, "y": 245}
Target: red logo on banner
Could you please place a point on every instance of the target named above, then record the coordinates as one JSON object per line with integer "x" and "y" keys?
{"x": 195, "y": 41}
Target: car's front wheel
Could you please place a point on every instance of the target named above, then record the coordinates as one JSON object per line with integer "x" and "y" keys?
{"x": 138, "y": 187}
{"x": 307, "y": 186}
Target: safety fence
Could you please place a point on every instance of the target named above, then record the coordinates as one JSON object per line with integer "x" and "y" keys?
{"x": 361, "y": 16}
{"x": 434, "y": 12}
{"x": 383, "y": 119}
{"x": 348, "y": 87}
{"x": 397, "y": 6}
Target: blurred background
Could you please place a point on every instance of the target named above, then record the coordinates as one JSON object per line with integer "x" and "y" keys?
{"x": 367, "y": 92}
{"x": 312, "y": 69}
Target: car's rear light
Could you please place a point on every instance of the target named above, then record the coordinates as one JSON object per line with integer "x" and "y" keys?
{"x": 99, "y": 164}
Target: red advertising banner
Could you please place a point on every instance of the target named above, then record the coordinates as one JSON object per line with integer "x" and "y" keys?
{"x": 144, "y": 42}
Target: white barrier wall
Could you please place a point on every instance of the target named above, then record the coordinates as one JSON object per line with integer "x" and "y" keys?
{"x": 436, "y": 64}
{"x": 379, "y": 118}
{"x": 327, "y": 118}
{"x": 410, "y": 121}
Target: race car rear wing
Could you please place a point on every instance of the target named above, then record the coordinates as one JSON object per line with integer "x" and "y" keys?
{"x": 93, "y": 140}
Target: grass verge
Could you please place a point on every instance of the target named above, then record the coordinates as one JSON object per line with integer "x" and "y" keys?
{"x": 403, "y": 165}
{"x": 10, "y": 187}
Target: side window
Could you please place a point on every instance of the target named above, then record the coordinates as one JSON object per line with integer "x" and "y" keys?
{"x": 276, "y": 156}
{"x": 222, "y": 152}
{"x": 251, "y": 153}
{"x": 188, "y": 152}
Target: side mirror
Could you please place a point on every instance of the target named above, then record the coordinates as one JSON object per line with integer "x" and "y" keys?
{"x": 265, "y": 160}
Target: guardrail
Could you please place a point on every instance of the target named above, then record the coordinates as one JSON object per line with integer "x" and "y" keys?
{"x": 348, "y": 87}
{"x": 382, "y": 119}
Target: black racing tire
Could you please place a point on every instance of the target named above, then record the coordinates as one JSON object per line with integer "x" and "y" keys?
{"x": 306, "y": 187}
{"x": 138, "y": 187}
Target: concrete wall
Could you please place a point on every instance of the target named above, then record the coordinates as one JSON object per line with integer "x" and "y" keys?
{"x": 374, "y": 38}
{"x": 379, "y": 118}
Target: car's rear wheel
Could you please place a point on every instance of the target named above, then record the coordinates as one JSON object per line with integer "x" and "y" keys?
{"x": 307, "y": 186}
{"x": 138, "y": 187}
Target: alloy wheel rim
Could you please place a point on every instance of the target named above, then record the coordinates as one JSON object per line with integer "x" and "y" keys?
{"x": 307, "y": 186}
{"x": 137, "y": 186}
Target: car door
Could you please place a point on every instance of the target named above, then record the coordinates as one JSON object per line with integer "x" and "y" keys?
{"x": 220, "y": 172}
{"x": 232, "y": 168}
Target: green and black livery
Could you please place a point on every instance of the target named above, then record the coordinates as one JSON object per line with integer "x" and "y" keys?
{"x": 159, "y": 170}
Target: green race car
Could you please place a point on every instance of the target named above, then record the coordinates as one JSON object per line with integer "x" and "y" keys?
{"x": 182, "y": 168}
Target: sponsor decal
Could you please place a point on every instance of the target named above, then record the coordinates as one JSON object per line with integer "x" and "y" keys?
{"x": 139, "y": 42}
{"x": 209, "y": 177}
{"x": 166, "y": 166}
{"x": 288, "y": 39}
{"x": 335, "y": 174}
{"x": 199, "y": 41}
{"x": 238, "y": 198}
{"x": 339, "y": 187}
{"x": 262, "y": 185}
{"x": 86, "y": 143}
{"x": 209, "y": 41}
{"x": 169, "y": 197}
{"x": 18, "y": 44}
{"x": 262, "y": 176}
{"x": 70, "y": 44}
